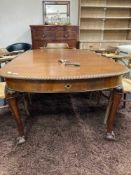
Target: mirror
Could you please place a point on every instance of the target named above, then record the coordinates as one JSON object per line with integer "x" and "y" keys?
{"x": 56, "y": 12}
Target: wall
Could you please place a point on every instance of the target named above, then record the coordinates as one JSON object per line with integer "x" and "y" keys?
{"x": 17, "y": 15}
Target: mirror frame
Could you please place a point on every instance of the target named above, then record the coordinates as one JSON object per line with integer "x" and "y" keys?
{"x": 44, "y": 3}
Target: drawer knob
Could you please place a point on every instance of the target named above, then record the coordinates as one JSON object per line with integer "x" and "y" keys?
{"x": 68, "y": 86}
{"x": 44, "y": 35}
{"x": 66, "y": 35}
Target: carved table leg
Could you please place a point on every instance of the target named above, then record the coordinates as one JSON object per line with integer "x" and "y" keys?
{"x": 11, "y": 97}
{"x": 112, "y": 110}
{"x": 27, "y": 101}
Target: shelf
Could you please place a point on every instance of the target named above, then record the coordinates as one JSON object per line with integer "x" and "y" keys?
{"x": 115, "y": 17}
{"x": 94, "y": 6}
{"x": 105, "y": 41}
{"x": 105, "y": 29}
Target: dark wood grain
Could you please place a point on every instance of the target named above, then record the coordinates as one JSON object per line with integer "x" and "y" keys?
{"x": 43, "y": 34}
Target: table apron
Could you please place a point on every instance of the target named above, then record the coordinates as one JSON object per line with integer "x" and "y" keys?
{"x": 59, "y": 86}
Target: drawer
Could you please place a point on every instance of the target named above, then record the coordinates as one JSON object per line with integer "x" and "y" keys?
{"x": 43, "y": 34}
{"x": 51, "y": 35}
{"x": 58, "y": 35}
{"x": 60, "y": 28}
{"x": 66, "y": 35}
{"x": 71, "y": 28}
{"x": 54, "y": 28}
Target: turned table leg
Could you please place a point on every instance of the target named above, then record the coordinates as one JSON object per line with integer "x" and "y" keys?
{"x": 11, "y": 97}
{"x": 112, "y": 110}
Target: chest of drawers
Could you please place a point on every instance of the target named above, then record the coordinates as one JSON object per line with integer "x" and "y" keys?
{"x": 43, "y": 34}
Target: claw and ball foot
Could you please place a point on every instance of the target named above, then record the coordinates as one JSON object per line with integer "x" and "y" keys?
{"x": 110, "y": 136}
{"x": 20, "y": 140}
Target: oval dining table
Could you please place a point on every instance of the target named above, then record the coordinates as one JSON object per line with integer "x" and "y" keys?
{"x": 63, "y": 71}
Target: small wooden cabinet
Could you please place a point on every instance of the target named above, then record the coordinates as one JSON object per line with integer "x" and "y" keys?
{"x": 43, "y": 34}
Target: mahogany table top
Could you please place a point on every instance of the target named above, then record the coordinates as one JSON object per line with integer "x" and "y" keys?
{"x": 43, "y": 64}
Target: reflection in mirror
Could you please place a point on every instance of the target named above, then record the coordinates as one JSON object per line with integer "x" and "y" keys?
{"x": 56, "y": 12}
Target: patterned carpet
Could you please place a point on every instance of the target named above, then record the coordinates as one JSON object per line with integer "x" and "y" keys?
{"x": 65, "y": 136}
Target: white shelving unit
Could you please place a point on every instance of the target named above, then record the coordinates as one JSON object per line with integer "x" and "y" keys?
{"x": 104, "y": 23}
